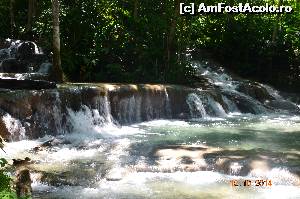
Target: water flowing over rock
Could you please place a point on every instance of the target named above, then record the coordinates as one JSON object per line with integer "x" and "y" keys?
{"x": 43, "y": 109}
{"x": 53, "y": 111}
{"x": 126, "y": 136}
{"x": 24, "y": 66}
{"x": 22, "y": 56}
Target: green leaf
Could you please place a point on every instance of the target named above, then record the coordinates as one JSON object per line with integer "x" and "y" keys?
{"x": 3, "y": 162}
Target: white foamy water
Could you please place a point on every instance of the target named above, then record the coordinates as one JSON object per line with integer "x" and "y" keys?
{"x": 14, "y": 126}
{"x": 101, "y": 161}
{"x": 169, "y": 186}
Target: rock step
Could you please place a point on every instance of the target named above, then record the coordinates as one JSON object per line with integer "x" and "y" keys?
{"x": 16, "y": 84}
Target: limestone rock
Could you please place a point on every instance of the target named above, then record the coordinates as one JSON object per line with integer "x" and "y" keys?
{"x": 45, "y": 68}
{"x": 13, "y": 65}
{"x": 23, "y": 183}
{"x": 4, "y": 54}
{"x": 26, "y": 49}
{"x": 26, "y": 84}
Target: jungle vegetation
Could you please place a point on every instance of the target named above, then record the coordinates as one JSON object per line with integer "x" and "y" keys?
{"x": 147, "y": 41}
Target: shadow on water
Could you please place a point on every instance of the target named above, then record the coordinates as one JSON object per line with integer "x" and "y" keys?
{"x": 229, "y": 150}
{"x": 171, "y": 158}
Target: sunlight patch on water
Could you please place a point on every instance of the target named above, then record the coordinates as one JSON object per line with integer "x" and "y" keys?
{"x": 243, "y": 140}
{"x": 278, "y": 176}
{"x": 154, "y": 123}
{"x": 168, "y": 186}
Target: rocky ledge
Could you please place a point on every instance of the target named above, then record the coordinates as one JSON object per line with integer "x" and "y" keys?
{"x": 26, "y": 84}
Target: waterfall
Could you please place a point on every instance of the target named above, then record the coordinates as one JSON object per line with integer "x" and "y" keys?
{"x": 168, "y": 105}
{"x": 196, "y": 106}
{"x": 86, "y": 120}
{"x": 15, "y": 127}
{"x": 231, "y": 106}
{"x": 130, "y": 110}
{"x": 89, "y": 107}
{"x": 215, "y": 107}
{"x": 103, "y": 107}
{"x": 57, "y": 113}
{"x": 203, "y": 105}
{"x": 98, "y": 136}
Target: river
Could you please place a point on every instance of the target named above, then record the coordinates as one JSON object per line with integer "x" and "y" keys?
{"x": 157, "y": 141}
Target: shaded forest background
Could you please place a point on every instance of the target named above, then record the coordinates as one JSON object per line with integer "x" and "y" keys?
{"x": 147, "y": 41}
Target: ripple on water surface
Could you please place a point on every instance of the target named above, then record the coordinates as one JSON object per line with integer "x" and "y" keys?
{"x": 170, "y": 159}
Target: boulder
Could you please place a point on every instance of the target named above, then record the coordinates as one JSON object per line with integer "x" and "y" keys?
{"x": 23, "y": 183}
{"x": 4, "y": 133}
{"x": 13, "y": 45}
{"x": 255, "y": 90}
{"x": 284, "y": 105}
{"x": 45, "y": 68}
{"x": 13, "y": 65}
{"x": 26, "y": 49}
{"x": 21, "y": 162}
{"x": 33, "y": 62}
{"x": 4, "y": 54}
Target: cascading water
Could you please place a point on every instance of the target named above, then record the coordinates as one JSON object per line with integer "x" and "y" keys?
{"x": 195, "y": 105}
{"x": 231, "y": 106}
{"x": 14, "y": 127}
{"x": 105, "y": 144}
{"x": 130, "y": 110}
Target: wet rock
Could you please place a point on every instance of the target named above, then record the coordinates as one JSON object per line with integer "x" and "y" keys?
{"x": 12, "y": 45}
{"x": 26, "y": 84}
{"x": 45, "y": 68}
{"x": 78, "y": 173}
{"x": 4, "y": 133}
{"x": 255, "y": 90}
{"x": 26, "y": 49}
{"x": 202, "y": 82}
{"x": 26, "y": 53}
{"x": 233, "y": 165}
{"x": 34, "y": 62}
{"x": 50, "y": 143}
{"x": 59, "y": 179}
{"x": 245, "y": 104}
{"x": 23, "y": 76}
{"x": 4, "y": 54}
{"x": 2, "y": 144}
{"x": 23, "y": 183}
{"x": 21, "y": 163}
{"x": 177, "y": 95}
{"x": 284, "y": 105}
{"x": 13, "y": 65}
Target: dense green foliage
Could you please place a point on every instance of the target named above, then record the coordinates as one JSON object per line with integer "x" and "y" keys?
{"x": 146, "y": 41}
{"x": 5, "y": 182}
{"x": 260, "y": 46}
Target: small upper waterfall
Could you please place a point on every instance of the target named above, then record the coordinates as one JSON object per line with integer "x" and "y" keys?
{"x": 196, "y": 107}
{"x": 231, "y": 106}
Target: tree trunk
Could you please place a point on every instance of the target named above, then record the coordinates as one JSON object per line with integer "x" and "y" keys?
{"x": 276, "y": 26}
{"x": 57, "y": 73}
{"x": 274, "y": 42}
{"x": 30, "y": 15}
{"x": 135, "y": 11}
{"x": 12, "y": 18}
{"x": 171, "y": 37}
